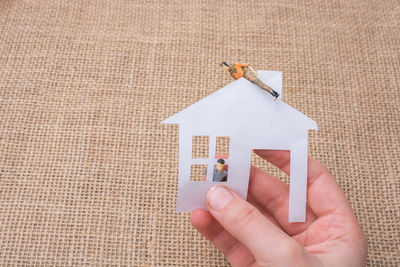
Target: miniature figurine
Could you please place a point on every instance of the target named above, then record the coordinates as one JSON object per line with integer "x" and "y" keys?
{"x": 239, "y": 70}
{"x": 219, "y": 174}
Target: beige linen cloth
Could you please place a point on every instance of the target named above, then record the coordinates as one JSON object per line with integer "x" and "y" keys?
{"x": 88, "y": 176}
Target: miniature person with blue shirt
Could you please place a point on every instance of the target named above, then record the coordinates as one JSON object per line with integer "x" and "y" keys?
{"x": 219, "y": 174}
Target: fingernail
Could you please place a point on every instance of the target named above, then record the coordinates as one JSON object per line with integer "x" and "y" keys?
{"x": 218, "y": 197}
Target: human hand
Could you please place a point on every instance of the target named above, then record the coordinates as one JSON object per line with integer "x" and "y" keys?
{"x": 257, "y": 232}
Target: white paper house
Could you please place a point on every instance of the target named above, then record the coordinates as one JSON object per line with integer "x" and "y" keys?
{"x": 252, "y": 120}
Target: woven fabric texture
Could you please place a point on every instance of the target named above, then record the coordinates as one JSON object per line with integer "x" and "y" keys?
{"x": 88, "y": 175}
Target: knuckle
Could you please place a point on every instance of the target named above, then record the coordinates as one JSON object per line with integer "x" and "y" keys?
{"x": 231, "y": 249}
{"x": 245, "y": 216}
{"x": 292, "y": 250}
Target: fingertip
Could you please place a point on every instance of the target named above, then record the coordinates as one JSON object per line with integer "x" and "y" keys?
{"x": 315, "y": 169}
{"x": 201, "y": 219}
{"x": 221, "y": 156}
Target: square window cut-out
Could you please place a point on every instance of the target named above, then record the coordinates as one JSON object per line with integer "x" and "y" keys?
{"x": 220, "y": 171}
{"x": 198, "y": 172}
{"x": 222, "y": 146}
{"x": 200, "y": 146}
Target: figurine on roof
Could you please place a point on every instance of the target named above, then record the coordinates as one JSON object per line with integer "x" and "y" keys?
{"x": 239, "y": 70}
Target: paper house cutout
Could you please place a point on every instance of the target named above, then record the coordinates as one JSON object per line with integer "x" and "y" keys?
{"x": 252, "y": 120}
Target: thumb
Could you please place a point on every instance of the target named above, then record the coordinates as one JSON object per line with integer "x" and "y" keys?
{"x": 244, "y": 222}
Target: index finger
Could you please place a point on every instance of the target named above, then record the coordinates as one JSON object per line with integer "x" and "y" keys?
{"x": 323, "y": 192}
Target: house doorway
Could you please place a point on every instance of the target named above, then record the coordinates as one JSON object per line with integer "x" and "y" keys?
{"x": 267, "y": 167}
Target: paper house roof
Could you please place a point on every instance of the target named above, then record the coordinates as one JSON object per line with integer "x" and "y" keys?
{"x": 243, "y": 106}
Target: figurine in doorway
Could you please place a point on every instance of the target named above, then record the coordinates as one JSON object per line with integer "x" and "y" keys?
{"x": 239, "y": 70}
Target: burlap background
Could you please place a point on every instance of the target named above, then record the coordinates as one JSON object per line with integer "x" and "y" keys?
{"x": 89, "y": 176}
